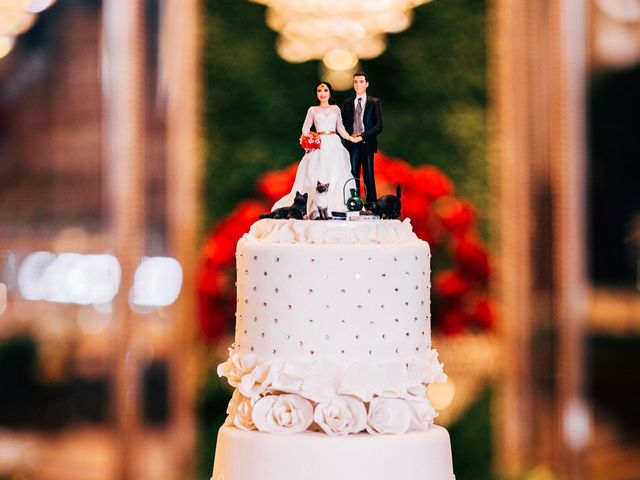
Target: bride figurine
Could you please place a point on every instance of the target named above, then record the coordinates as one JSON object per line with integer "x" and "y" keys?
{"x": 330, "y": 163}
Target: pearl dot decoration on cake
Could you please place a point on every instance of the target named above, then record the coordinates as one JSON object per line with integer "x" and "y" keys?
{"x": 333, "y": 291}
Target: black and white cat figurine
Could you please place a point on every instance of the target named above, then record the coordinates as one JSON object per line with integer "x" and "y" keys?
{"x": 387, "y": 206}
{"x": 320, "y": 203}
{"x": 297, "y": 210}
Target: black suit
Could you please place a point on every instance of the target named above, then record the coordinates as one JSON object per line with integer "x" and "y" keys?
{"x": 361, "y": 154}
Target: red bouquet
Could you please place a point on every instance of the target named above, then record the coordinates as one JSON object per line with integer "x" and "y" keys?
{"x": 310, "y": 141}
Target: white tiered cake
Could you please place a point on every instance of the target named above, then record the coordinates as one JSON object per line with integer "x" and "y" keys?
{"x": 333, "y": 347}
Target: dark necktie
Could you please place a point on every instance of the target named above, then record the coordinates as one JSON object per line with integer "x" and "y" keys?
{"x": 357, "y": 121}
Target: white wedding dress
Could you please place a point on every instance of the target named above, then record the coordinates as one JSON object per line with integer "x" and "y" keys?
{"x": 328, "y": 164}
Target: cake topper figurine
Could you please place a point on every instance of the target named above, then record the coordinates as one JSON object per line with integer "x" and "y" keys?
{"x": 362, "y": 117}
{"x": 388, "y": 206}
{"x": 297, "y": 210}
{"x": 326, "y": 162}
{"x": 320, "y": 203}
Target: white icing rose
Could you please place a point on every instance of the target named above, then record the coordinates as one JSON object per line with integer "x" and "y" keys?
{"x": 286, "y": 413}
{"x": 422, "y": 412}
{"x": 426, "y": 370}
{"x": 260, "y": 378}
{"x": 237, "y": 366}
{"x": 388, "y": 415}
{"x": 239, "y": 411}
{"x": 341, "y": 415}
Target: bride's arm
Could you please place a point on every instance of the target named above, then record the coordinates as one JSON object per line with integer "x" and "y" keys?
{"x": 340, "y": 127}
{"x": 308, "y": 121}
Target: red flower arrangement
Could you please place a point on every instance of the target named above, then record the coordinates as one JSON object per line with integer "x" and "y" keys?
{"x": 461, "y": 263}
{"x": 310, "y": 141}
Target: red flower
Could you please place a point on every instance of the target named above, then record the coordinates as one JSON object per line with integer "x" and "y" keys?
{"x": 452, "y": 320}
{"x": 432, "y": 182}
{"x": 483, "y": 316}
{"x": 275, "y": 185}
{"x": 456, "y": 215}
{"x": 415, "y": 206}
{"x": 213, "y": 318}
{"x": 451, "y": 284}
{"x": 390, "y": 170}
{"x": 472, "y": 257}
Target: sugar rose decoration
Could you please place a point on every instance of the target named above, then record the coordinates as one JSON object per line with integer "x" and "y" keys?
{"x": 288, "y": 413}
{"x": 438, "y": 215}
{"x": 310, "y": 141}
{"x": 240, "y": 410}
{"x": 237, "y": 366}
{"x": 388, "y": 415}
{"x": 341, "y": 415}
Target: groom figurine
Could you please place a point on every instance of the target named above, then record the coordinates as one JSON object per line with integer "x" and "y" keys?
{"x": 362, "y": 118}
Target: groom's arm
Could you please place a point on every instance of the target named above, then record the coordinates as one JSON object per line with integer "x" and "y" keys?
{"x": 376, "y": 116}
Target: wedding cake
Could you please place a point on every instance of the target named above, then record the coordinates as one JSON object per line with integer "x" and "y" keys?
{"x": 332, "y": 356}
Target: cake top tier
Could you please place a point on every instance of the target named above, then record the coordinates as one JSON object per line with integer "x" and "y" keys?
{"x": 332, "y": 232}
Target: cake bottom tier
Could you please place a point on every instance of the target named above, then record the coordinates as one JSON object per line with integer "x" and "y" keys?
{"x": 252, "y": 455}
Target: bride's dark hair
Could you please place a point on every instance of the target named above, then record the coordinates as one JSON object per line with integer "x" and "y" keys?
{"x": 315, "y": 90}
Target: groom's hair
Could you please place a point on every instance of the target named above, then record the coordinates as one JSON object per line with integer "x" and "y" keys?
{"x": 361, "y": 74}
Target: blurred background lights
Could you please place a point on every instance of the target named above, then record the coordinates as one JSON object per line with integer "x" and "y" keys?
{"x": 6, "y": 44}
{"x": 37, "y": 6}
{"x": 577, "y": 424}
{"x": 69, "y": 278}
{"x": 91, "y": 321}
{"x": 441, "y": 394}
{"x": 3, "y": 298}
{"x": 340, "y": 59}
{"x": 30, "y": 275}
{"x": 157, "y": 282}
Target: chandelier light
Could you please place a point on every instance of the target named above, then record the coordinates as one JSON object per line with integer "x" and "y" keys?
{"x": 338, "y": 32}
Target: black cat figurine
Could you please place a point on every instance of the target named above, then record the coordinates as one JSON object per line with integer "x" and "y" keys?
{"x": 298, "y": 210}
{"x": 387, "y": 206}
